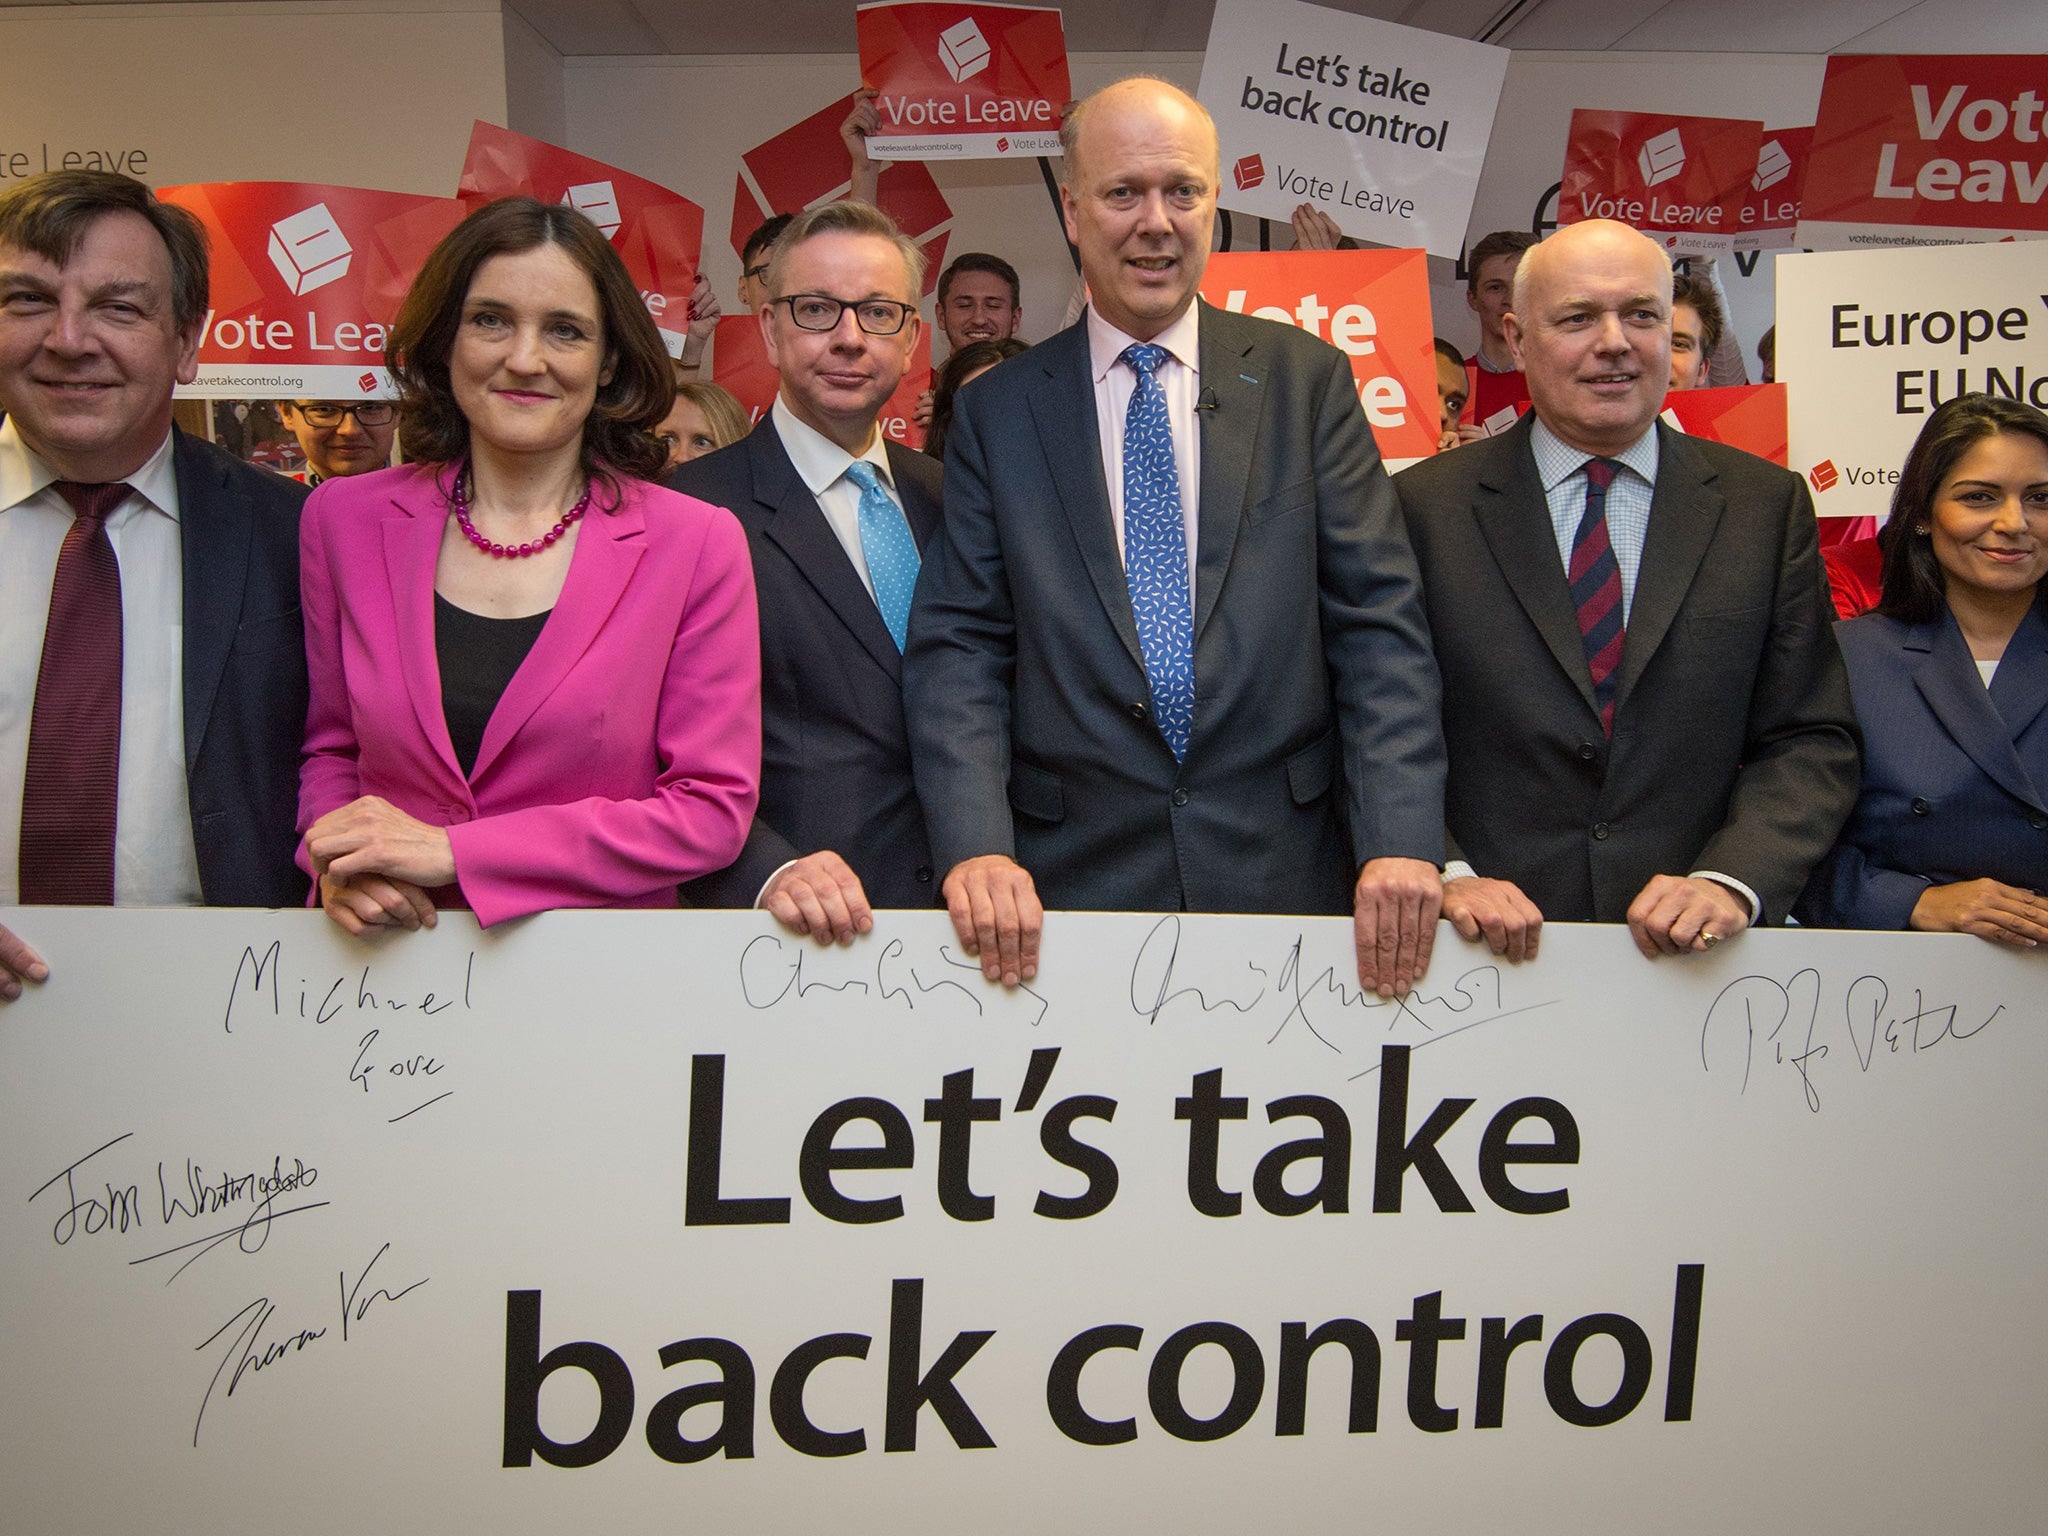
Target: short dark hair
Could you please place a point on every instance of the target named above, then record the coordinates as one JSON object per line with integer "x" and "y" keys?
{"x": 48, "y": 215}
{"x": 1694, "y": 289}
{"x": 764, "y": 237}
{"x": 1502, "y": 242}
{"x": 847, "y": 217}
{"x": 619, "y": 434}
{"x": 1449, "y": 353}
{"x": 968, "y": 360}
{"x": 981, "y": 261}
{"x": 1910, "y": 584}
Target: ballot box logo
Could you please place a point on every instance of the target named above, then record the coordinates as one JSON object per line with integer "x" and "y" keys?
{"x": 1661, "y": 158}
{"x": 963, "y": 50}
{"x": 1002, "y": 146}
{"x": 1773, "y": 165}
{"x": 1249, "y": 172}
{"x": 309, "y": 250}
{"x": 1824, "y": 475}
{"x": 366, "y": 382}
{"x": 598, "y": 202}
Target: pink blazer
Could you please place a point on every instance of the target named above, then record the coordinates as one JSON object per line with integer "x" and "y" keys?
{"x": 626, "y": 754}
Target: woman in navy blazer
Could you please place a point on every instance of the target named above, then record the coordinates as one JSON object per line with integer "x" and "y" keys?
{"x": 1950, "y": 676}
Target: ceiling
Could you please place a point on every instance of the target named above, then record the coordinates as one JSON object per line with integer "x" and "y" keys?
{"x": 582, "y": 28}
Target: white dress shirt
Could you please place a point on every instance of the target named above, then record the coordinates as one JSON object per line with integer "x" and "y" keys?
{"x": 154, "y": 860}
{"x": 1180, "y": 376}
{"x": 822, "y": 465}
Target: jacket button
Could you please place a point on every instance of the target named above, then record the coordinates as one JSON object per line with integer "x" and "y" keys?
{"x": 1599, "y": 831}
{"x": 2038, "y": 822}
{"x": 1180, "y": 797}
{"x": 1587, "y": 751}
{"x": 1137, "y": 709}
{"x": 1920, "y": 806}
{"x": 924, "y": 874}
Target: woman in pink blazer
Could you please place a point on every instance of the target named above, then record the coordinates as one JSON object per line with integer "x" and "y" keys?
{"x": 535, "y": 677}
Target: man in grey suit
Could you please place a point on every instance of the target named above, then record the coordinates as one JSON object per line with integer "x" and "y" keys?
{"x": 1647, "y": 714}
{"x": 1168, "y": 652}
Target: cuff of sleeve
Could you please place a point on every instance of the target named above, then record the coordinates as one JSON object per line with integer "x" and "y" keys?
{"x": 1756, "y": 907}
{"x": 1458, "y": 869}
{"x": 761, "y": 896}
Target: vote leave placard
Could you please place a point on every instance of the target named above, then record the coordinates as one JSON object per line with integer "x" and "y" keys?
{"x": 305, "y": 282}
{"x": 806, "y": 164}
{"x": 1683, "y": 181}
{"x": 650, "y": 1221}
{"x": 1770, "y": 213}
{"x": 1373, "y": 306}
{"x": 1382, "y": 127}
{"x": 1746, "y": 416}
{"x": 659, "y": 234}
{"x": 739, "y": 362}
{"x": 1928, "y": 149}
{"x": 964, "y": 82}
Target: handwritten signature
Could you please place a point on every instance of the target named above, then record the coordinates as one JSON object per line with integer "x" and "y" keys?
{"x": 774, "y": 971}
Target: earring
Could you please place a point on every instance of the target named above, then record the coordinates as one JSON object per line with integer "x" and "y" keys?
{"x": 1921, "y": 530}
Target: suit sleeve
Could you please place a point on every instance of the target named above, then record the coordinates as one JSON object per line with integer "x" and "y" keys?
{"x": 707, "y": 742}
{"x": 1850, "y": 889}
{"x": 1376, "y": 639}
{"x": 961, "y": 659}
{"x": 327, "y": 772}
{"x": 1802, "y": 753}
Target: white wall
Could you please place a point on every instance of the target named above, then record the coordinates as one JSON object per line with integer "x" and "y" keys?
{"x": 535, "y": 104}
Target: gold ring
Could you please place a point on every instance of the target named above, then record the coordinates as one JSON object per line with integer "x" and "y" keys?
{"x": 1709, "y": 937}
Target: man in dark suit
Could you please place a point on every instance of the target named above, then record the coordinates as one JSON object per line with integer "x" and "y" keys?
{"x": 1646, "y": 710}
{"x": 1169, "y": 652}
{"x": 835, "y": 516}
{"x": 153, "y": 677}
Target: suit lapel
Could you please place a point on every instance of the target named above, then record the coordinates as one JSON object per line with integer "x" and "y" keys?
{"x": 1231, "y": 399}
{"x": 921, "y": 513}
{"x": 608, "y": 550}
{"x": 1685, "y": 510}
{"x": 796, "y": 525}
{"x": 412, "y": 546}
{"x": 1063, "y": 409}
{"x": 1514, "y": 519}
{"x": 214, "y": 530}
{"x": 2019, "y": 688}
{"x": 1946, "y": 676}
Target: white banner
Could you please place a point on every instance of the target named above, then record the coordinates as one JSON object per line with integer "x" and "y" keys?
{"x": 1383, "y": 127}
{"x": 1871, "y": 341}
{"x": 622, "y": 1221}
{"x": 314, "y": 381}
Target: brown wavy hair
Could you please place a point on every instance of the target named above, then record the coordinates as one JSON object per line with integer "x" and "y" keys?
{"x": 618, "y": 437}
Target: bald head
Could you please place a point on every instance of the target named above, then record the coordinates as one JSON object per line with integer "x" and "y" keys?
{"x": 1159, "y": 102}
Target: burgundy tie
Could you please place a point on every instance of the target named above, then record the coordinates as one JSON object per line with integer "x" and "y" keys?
{"x": 1596, "y": 590}
{"x": 74, "y": 738}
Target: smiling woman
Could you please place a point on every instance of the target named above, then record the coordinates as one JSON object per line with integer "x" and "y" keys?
{"x": 535, "y": 676}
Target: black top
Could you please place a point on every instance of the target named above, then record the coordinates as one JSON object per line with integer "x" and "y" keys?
{"x": 478, "y": 656}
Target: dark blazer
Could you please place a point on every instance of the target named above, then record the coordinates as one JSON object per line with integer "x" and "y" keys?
{"x": 1955, "y": 776}
{"x": 835, "y": 761}
{"x": 1735, "y": 745}
{"x": 245, "y": 674}
{"x": 1315, "y": 744}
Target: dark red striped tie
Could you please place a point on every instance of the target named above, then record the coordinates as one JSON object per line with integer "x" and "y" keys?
{"x": 74, "y": 738}
{"x": 1596, "y": 590}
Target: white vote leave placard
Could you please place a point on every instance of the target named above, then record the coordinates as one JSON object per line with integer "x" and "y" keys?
{"x": 616, "y": 1221}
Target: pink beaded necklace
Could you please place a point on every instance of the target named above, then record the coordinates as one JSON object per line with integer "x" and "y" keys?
{"x": 458, "y": 502}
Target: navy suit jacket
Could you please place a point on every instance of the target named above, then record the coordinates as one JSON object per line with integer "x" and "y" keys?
{"x": 1955, "y": 776}
{"x": 835, "y": 758}
{"x": 1315, "y": 744}
{"x": 245, "y": 674}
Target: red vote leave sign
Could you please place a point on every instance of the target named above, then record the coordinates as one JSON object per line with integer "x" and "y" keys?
{"x": 306, "y": 279}
{"x": 1373, "y": 306}
{"x": 1770, "y": 213}
{"x": 1928, "y": 149}
{"x": 739, "y": 362}
{"x": 964, "y": 82}
{"x": 1682, "y": 181}
{"x": 1746, "y": 416}
{"x": 658, "y": 233}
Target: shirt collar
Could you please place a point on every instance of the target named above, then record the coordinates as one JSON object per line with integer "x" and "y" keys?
{"x": 1181, "y": 339}
{"x": 818, "y": 460}
{"x": 23, "y": 475}
{"x": 1557, "y": 461}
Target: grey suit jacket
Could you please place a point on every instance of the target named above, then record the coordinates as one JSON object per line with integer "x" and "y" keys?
{"x": 835, "y": 761}
{"x": 1315, "y": 744}
{"x": 1735, "y": 746}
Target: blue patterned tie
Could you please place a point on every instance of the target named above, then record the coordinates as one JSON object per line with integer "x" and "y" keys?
{"x": 888, "y": 548}
{"x": 1156, "y": 552}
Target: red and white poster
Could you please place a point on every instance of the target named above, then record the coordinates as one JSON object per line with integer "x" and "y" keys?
{"x": 658, "y": 233}
{"x": 306, "y": 280}
{"x": 1770, "y": 214}
{"x": 1746, "y": 416}
{"x": 1682, "y": 181}
{"x": 1371, "y": 305}
{"x": 805, "y": 165}
{"x": 964, "y": 82}
{"x": 1928, "y": 149}
{"x": 739, "y": 362}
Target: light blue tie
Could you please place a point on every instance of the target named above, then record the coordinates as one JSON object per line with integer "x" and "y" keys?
{"x": 1156, "y": 552}
{"x": 888, "y": 548}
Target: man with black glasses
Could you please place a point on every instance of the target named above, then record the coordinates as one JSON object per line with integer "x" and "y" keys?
{"x": 836, "y": 517}
{"x": 340, "y": 437}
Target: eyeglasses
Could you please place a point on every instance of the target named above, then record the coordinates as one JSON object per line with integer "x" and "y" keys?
{"x": 760, "y": 269}
{"x": 816, "y": 312}
{"x": 328, "y": 413}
